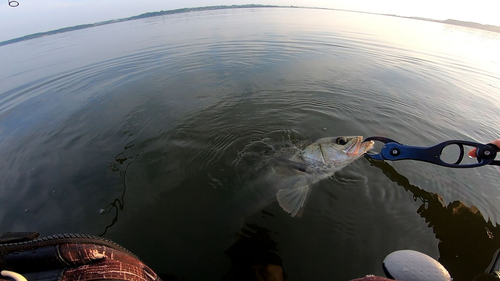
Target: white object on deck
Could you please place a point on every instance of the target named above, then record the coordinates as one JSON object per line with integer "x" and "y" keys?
{"x": 409, "y": 265}
{"x": 13, "y": 275}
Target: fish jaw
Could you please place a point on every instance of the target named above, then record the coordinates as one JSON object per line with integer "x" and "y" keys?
{"x": 358, "y": 148}
{"x": 334, "y": 153}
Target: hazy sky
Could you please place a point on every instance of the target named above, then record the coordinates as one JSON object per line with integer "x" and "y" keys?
{"x": 33, "y": 16}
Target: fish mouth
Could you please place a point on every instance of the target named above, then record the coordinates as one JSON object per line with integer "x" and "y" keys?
{"x": 358, "y": 147}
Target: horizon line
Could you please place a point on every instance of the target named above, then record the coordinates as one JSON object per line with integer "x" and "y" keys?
{"x": 487, "y": 27}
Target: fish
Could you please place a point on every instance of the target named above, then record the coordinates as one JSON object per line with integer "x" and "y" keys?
{"x": 291, "y": 171}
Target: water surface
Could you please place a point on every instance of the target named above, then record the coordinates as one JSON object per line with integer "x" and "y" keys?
{"x": 139, "y": 130}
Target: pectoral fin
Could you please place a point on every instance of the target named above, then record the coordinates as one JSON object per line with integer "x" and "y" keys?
{"x": 292, "y": 200}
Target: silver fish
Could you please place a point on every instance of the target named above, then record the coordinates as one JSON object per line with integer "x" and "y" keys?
{"x": 292, "y": 170}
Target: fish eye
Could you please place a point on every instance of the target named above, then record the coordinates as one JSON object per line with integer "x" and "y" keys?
{"x": 340, "y": 141}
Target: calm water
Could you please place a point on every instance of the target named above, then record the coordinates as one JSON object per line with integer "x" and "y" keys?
{"x": 139, "y": 130}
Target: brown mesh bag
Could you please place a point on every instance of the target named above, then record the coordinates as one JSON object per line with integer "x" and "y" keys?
{"x": 70, "y": 257}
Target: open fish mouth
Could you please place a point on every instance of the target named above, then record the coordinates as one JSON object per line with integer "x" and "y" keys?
{"x": 358, "y": 147}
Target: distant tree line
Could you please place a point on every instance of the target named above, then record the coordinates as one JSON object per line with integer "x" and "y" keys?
{"x": 146, "y": 15}
{"x": 476, "y": 25}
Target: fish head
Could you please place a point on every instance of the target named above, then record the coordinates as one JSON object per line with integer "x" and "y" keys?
{"x": 334, "y": 153}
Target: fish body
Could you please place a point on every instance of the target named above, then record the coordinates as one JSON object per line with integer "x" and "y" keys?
{"x": 290, "y": 172}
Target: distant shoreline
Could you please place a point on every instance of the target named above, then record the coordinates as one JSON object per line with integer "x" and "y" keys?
{"x": 469, "y": 24}
{"x": 492, "y": 28}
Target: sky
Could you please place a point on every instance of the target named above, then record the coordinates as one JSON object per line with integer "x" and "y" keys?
{"x": 32, "y": 16}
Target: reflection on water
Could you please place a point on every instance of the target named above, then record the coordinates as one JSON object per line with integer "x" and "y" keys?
{"x": 119, "y": 203}
{"x": 254, "y": 256}
{"x": 467, "y": 242}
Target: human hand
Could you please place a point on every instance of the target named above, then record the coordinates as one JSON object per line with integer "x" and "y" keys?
{"x": 472, "y": 153}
